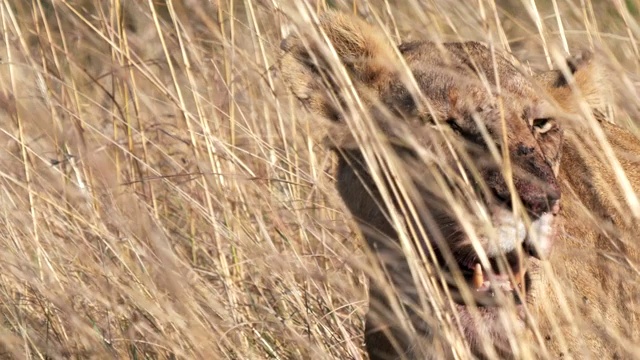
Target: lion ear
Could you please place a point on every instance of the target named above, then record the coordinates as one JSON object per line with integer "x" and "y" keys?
{"x": 585, "y": 73}
{"x": 308, "y": 63}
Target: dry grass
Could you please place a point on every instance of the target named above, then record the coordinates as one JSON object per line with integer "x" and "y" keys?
{"x": 164, "y": 197}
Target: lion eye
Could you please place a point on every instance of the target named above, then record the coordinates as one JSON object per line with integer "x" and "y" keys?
{"x": 454, "y": 125}
{"x": 542, "y": 125}
{"x": 427, "y": 120}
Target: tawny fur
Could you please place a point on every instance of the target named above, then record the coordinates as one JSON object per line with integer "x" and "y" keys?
{"x": 596, "y": 257}
{"x": 592, "y": 307}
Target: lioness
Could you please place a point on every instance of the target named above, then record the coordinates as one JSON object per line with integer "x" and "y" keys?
{"x": 467, "y": 158}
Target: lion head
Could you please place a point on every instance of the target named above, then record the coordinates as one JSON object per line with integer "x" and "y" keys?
{"x": 461, "y": 143}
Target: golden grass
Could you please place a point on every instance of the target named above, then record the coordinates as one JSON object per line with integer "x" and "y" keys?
{"x": 164, "y": 197}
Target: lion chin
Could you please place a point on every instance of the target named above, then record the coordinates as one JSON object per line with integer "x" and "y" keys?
{"x": 500, "y": 293}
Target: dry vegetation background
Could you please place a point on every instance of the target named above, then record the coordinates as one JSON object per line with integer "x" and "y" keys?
{"x": 162, "y": 196}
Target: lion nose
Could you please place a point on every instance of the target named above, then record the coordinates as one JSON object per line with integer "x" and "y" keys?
{"x": 536, "y": 199}
{"x": 538, "y": 203}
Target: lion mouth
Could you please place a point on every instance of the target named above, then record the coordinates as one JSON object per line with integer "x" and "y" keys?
{"x": 508, "y": 274}
{"x": 490, "y": 287}
{"x": 486, "y": 285}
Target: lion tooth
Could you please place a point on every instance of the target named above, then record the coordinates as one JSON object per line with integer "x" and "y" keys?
{"x": 478, "y": 279}
{"x": 518, "y": 280}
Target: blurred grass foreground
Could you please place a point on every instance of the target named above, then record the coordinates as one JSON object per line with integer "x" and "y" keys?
{"x": 164, "y": 197}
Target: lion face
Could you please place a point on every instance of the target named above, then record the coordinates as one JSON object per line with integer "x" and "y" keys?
{"x": 461, "y": 96}
{"x": 472, "y": 130}
{"x": 464, "y": 105}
